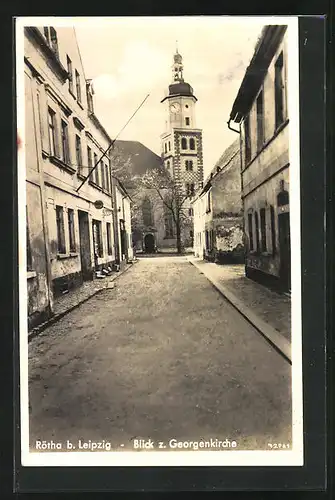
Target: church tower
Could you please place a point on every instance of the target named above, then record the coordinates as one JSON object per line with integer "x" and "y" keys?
{"x": 181, "y": 142}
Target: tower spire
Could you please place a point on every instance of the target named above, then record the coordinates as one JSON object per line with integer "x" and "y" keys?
{"x": 177, "y": 68}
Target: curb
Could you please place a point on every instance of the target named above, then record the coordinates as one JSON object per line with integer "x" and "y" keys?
{"x": 268, "y": 332}
{"x": 40, "y": 328}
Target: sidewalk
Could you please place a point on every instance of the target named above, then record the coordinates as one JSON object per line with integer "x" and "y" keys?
{"x": 268, "y": 311}
{"x": 69, "y": 301}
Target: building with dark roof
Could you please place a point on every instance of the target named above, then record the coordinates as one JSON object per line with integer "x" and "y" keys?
{"x": 260, "y": 112}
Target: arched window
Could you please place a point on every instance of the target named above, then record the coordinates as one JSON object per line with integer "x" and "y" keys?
{"x": 192, "y": 143}
{"x": 147, "y": 212}
{"x": 168, "y": 164}
{"x": 183, "y": 143}
{"x": 165, "y": 148}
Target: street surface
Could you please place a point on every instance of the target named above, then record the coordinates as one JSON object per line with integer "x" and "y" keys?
{"x": 162, "y": 355}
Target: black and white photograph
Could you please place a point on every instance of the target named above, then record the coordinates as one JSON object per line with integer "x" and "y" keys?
{"x": 159, "y": 241}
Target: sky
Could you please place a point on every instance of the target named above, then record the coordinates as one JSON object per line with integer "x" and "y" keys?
{"x": 129, "y": 58}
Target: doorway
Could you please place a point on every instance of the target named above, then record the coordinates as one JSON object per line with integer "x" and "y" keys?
{"x": 85, "y": 245}
{"x": 149, "y": 243}
{"x": 285, "y": 250}
{"x": 123, "y": 240}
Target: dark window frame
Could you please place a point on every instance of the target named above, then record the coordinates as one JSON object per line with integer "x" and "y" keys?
{"x": 183, "y": 143}
{"x": 260, "y": 120}
{"x": 97, "y": 238}
{"x": 65, "y": 142}
{"x": 52, "y": 129}
{"x": 257, "y": 232}
{"x": 109, "y": 238}
{"x": 250, "y": 232}
{"x": 192, "y": 144}
{"x": 273, "y": 230}
{"x": 79, "y": 152}
{"x": 78, "y": 86}
{"x": 61, "y": 245}
{"x": 279, "y": 90}
{"x": 187, "y": 120}
{"x": 262, "y": 215}
{"x": 70, "y": 72}
{"x": 71, "y": 228}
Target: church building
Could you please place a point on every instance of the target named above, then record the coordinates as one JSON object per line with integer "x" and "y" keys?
{"x": 181, "y": 146}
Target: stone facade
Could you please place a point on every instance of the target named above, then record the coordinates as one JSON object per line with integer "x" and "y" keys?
{"x": 262, "y": 113}
{"x": 218, "y": 215}
{"x": 181, "y": 144}
{"x": 68, "y": 238}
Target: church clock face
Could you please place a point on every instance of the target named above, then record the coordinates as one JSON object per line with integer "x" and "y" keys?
{"x": 174, "y": 107}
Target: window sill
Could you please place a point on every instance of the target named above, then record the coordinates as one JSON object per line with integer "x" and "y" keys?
{"x": 31, "y": 275}
{"x": 62, "y": 256}
{"x": 60, "y": 163}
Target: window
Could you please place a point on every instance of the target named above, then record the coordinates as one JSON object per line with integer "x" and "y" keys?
{"x": 192, "y": 143}
{"x": 187, "y": 120}
{"x": 79, "y": 158}
{"x": 103, "y": 182}
{"x": 109, "y": 238}
{"x": 190, "y": 212}
{"x": 191, "y": 234}
{"x": 257, "y": 231}
{"x": 107, "y": 178}
{"x": 169, "y": 146}
{"x": 97, "y": 238}
{"x": 69, "y": 70}
{"x": 251, "y": 235}
{"x": 279, "y": 91}
{"x": 273, "y": 229}
{"x": 89, "y": 159}
{"x": 60, "y": 229}
{"x": 78, "y": 88}
{"x": 167, "y": 164}
{"x": 165, "y": 147}
{"x": 29, "y": 255}
{"x": 190, "y": 189}
{"x": 65, "y": 142}
{"x": 189, "y": 165}
{"x": 263, "y": 229}
{"x": 260, "y": 121}
{"x": 247, "y": 139}
{"x": 70, "y": 214}
{"x": 96, "y": 180}
{"x": 183, "y": 143}
{"x": 52, "y": 131}
{"x": 53, "y": 40}
{"x": 147, "y": 212}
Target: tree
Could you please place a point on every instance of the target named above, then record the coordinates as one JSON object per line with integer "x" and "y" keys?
{"x": 172, "y": 196}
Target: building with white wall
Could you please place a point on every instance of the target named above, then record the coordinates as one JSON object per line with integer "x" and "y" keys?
{"x": 69, "y": 236}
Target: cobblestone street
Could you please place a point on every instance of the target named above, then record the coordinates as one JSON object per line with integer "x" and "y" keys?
{"x": 161, "y": 355}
